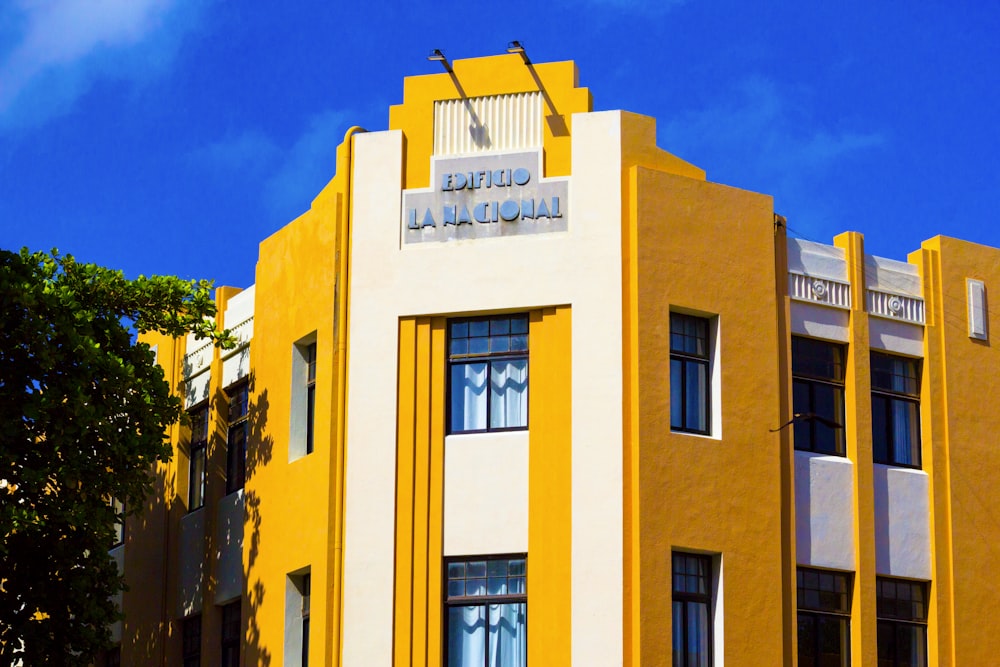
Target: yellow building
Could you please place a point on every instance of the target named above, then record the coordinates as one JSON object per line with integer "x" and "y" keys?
{"x": 520, "y": 387}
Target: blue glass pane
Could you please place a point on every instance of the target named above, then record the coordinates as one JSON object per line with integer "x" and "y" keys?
{"x": 466, "y": 636}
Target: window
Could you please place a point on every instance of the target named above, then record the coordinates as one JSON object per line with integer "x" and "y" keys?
{"x": 306, "y": 603}
{"x": 118, "y": 507}
{"x": 902, "y": 622}
{"x": 298, "y": 592}
{"x": 489, "y": 351}
{"x": 231, "y": 634}
{"x": 486, "y": 608}
{"x": 199, "y": 443}
{"x": 113, "y": 658}
{"x": 192, "y": 641}
{"x": 310, "y": 396}
{"x": 824, "y": 600}
{"x": 818, "y": 396}
{"x": 692, "y": 610}
{"x": 302, "y": 437}
{"x": 236, "y": 441}
{"x": 896, "y": 410}
{"x": 689, "y": 374}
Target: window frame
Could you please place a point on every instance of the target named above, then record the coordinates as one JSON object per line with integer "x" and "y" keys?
{"x": 485, "y": 600}
{"x": 488, "y": 358}
{"x": 691, "y": 359}
{"x": 801, "y": 376}
{"x": 891, "y": 397}
{"x": 310, "y": 363}
{"x": 231, "y": 642}
{"x": 894, "y": 621}
{"x": 821, "y": 613}
{"x": 198, "y": 450}
{"x": 306, "y": 586}
{"x": 191, "y": 641}
{"x": 238, "y": 395}
{"x": 688, "y": 597}
{"x": 118, "y": 507}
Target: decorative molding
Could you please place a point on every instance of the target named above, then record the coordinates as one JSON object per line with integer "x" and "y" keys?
{"x": 488, "y": 124}
{"x": 197, "y": 361}
{"x": 896, "y": 306}
{"x": 243, "y": 333}
{"x": 822, "y": 291}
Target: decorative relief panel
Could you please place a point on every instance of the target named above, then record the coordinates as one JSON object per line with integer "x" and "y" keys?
{"x": 197, "y": 360}
{"x": 896, "y": 306}
{"x": 823, "y": 291}
{"x": 495, "y": 123}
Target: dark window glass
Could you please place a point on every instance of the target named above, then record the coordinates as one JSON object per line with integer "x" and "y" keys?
{"x": 689, "y": 374}
{"x": 236, "y": 449}
{"x": 231, "y": 635}
{"x": 818, "y": 396}
{"x": 488, "y": 374}
{"x": 692, "y": 610}
{"x": 486, "y": 607}
{"x": 824, "y": 602}
{"x": 113, "y": 658}
{"x": 199, "y": 445}
{"x": 902, "y": 622}
{"x": 192, "y": 641}
{"x": 895, "y": 410}
{"x": 310, "y": 396}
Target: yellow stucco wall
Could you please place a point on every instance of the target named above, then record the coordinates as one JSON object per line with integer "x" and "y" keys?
{"x": 710, "y": 249}
{"x": 961, "y": 376}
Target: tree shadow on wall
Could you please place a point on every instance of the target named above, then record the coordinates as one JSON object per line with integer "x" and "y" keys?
{"x": 260, "y": 446}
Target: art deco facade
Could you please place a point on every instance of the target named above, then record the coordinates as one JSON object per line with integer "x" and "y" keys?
{"x": 520, "y": 388}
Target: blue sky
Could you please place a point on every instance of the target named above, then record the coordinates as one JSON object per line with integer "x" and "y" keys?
{"x": 172, "y": 136}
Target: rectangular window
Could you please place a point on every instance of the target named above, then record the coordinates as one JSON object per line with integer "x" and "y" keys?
{"x": 310, "y": 396}
{"x": 895, "y": 410}
{"x": 236, "y": 440}
{"x": 824, "y": 620}
{"x": 690, "y": 386}
{"x": 119, "y": 509}
{"x": 692, "y": 610}
{"x": 306, "y": 603}
{"x": 199, "y": 446}
{"x": 488, "y": 373}
{"x": 818, "y": 396}
{"x": 192, "y": 641}
{"x": 231, "y": 634}
{"x": 113, "y": 658}
{"x": 901, "y": 608}
{"x": 486, "y": 609}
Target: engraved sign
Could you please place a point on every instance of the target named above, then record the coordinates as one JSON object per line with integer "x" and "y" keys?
{"x": 485, "y": 196}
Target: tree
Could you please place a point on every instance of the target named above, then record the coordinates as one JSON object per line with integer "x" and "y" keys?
{"x": 83, "y": 412}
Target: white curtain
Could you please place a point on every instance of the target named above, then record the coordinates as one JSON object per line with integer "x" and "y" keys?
{"x": 903, "y": 415}
{"x": 469, "y": 398}
{"x": 509, "y": 393}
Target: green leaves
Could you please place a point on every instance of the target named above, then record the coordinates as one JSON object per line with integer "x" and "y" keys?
{"x": 83, "y": 410}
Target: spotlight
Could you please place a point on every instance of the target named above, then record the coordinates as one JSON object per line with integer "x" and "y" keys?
{"x": 436, "y": 55}
{"x": 518, "y": 48}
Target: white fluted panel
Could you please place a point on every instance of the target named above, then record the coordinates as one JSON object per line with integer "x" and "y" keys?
{"x": 895, "y": 306}
{"x": 495, "y": 123}
{"x": 819, "y": 290}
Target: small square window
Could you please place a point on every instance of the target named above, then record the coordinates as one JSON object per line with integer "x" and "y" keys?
{"x": 488, "y": 374}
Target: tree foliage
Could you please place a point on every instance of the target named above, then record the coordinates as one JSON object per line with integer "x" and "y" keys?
{"x": 83, "y": 411}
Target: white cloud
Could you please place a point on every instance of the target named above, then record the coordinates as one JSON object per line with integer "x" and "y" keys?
{"x": 56, "y": 43}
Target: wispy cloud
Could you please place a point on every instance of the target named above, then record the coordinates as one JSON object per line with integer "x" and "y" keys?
{"x": 307, "y": 165}
{"x": 765, "y": 129}
{"x": 288, "y": 175}
{"x": 56, "y": 48}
